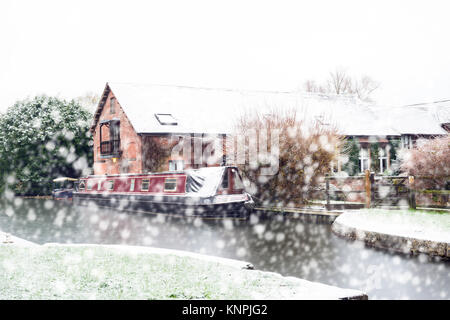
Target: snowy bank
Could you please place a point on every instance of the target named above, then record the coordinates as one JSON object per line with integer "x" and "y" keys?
{"x": 6, "y": 238}
{"x": 55, "y": 271}
{"x": 401, "y": 230}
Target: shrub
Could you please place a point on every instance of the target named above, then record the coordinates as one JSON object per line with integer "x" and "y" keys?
{"x": 306, "y": 151}
{"x": 430, "y": 159}
{"x": 351, "y": 149}
{"x": 41, "y": 139}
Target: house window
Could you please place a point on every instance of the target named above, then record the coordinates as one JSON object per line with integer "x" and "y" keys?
{"x": 132, "y": 185}
{"x": 110, "y": 185}
{"x": 111, "y": 146}
{"x": 114, "y": 130}
{"x": 336, "y": 165}
{"x": 383, "y": 164}
{"x": 166, "y": 119}
{"x": 112, "y": 105}
{"x": 170, "y": 184}
{"x": 383, "y": 160}
{"x": 176, "y": 165}
{"x": 145, "y": 184}
{"x": 407, "y": 142}
{"x": 364, "y": 160}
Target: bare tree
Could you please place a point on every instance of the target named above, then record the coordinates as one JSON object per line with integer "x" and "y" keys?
{"x": 340, "y": 82}
{"x": 364, "y": 87}
{"x": 310, "y": 86}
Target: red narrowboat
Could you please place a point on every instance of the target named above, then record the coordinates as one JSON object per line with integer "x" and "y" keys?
{"x": 207, "y": 192}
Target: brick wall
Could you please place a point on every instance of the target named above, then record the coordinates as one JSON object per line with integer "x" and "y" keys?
{"x": 160, "y": 147}
{"x": 130, "y": 160}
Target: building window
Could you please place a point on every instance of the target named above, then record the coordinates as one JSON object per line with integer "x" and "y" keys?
{"x": 145, "y": 184}
{"x": 364, "y": 160}
{"x": 112, "y": 105}
{"x": 383, "y": 160}
{"x": 132, "y": 185}
{"x": 407, "y": 142}
{"x": 111, "y": 146}
{"x": 176, "y": 165}
{"x": 336, "y": 165}
{"x": 170, "y": 184}
{"x": 166, "y": 119}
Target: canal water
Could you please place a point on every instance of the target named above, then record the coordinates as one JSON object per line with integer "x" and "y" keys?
{"x": 284, "y": 245}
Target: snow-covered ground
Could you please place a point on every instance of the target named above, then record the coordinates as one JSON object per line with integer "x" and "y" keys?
{"x": 123, "y": 272}
{"x": 6, "y": 238}
{"x": 421, "y": 225}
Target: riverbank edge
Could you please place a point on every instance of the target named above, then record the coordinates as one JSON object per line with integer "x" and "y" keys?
{"x": 352, "y": 294}
{"x": 308, "y": 215}
{"x": 402, "y": 244}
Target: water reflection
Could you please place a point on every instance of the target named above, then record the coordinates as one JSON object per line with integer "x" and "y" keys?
{"x": 288, "y": 246}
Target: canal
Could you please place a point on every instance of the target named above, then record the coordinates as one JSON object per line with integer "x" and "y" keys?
{"x": 284, "y": 245}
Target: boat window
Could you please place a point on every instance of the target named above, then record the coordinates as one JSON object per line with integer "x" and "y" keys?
{"x": 132, "y": 185}
{"x": 170, "y": 184}
{"x": 225, "y": 181}
{"x": 90, "y": 184}
{"x": 81, "y": 185}
{"x": 145, "y": 184}
{"x": 99, "y": 185}
{"x": 110, "y": 185}
{"x": 237, "y": 180}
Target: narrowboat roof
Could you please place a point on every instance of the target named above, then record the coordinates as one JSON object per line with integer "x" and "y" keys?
{"x": 187, "y": 171}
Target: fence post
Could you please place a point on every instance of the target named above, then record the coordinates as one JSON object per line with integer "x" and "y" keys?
{"x": 367, "y": 186}
{"x": 372, "y": 189}
{"x": 327, "y": 184}
{"x": 411, "y": 193}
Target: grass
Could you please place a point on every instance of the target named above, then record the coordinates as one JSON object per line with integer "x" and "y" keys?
{"x": 96, "y": 272}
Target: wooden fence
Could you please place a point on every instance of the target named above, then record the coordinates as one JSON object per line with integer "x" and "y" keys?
{"x": 376, "y": 191}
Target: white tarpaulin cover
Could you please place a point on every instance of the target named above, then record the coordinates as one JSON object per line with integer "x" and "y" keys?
{"x": 204, "y": 182}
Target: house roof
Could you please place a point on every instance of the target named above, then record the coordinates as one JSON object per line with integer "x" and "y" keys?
{"x": 215, "y": 111}
{"x": 418, "y": 119}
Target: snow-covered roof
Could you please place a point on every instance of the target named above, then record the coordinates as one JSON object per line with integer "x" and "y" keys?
{"x": 215, "y": 111}
{"x": 420, "y": 119}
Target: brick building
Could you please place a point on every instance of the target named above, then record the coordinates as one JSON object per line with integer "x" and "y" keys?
{"x": 136, "y": 126}
{"x": 133, "y": 135}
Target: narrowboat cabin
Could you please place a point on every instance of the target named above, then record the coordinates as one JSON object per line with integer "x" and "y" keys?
{"x": 208, "y": 192}
{"x": 63, "y": 188}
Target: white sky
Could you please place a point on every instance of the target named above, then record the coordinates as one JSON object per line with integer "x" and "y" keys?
{"x": 72, "y": 47}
